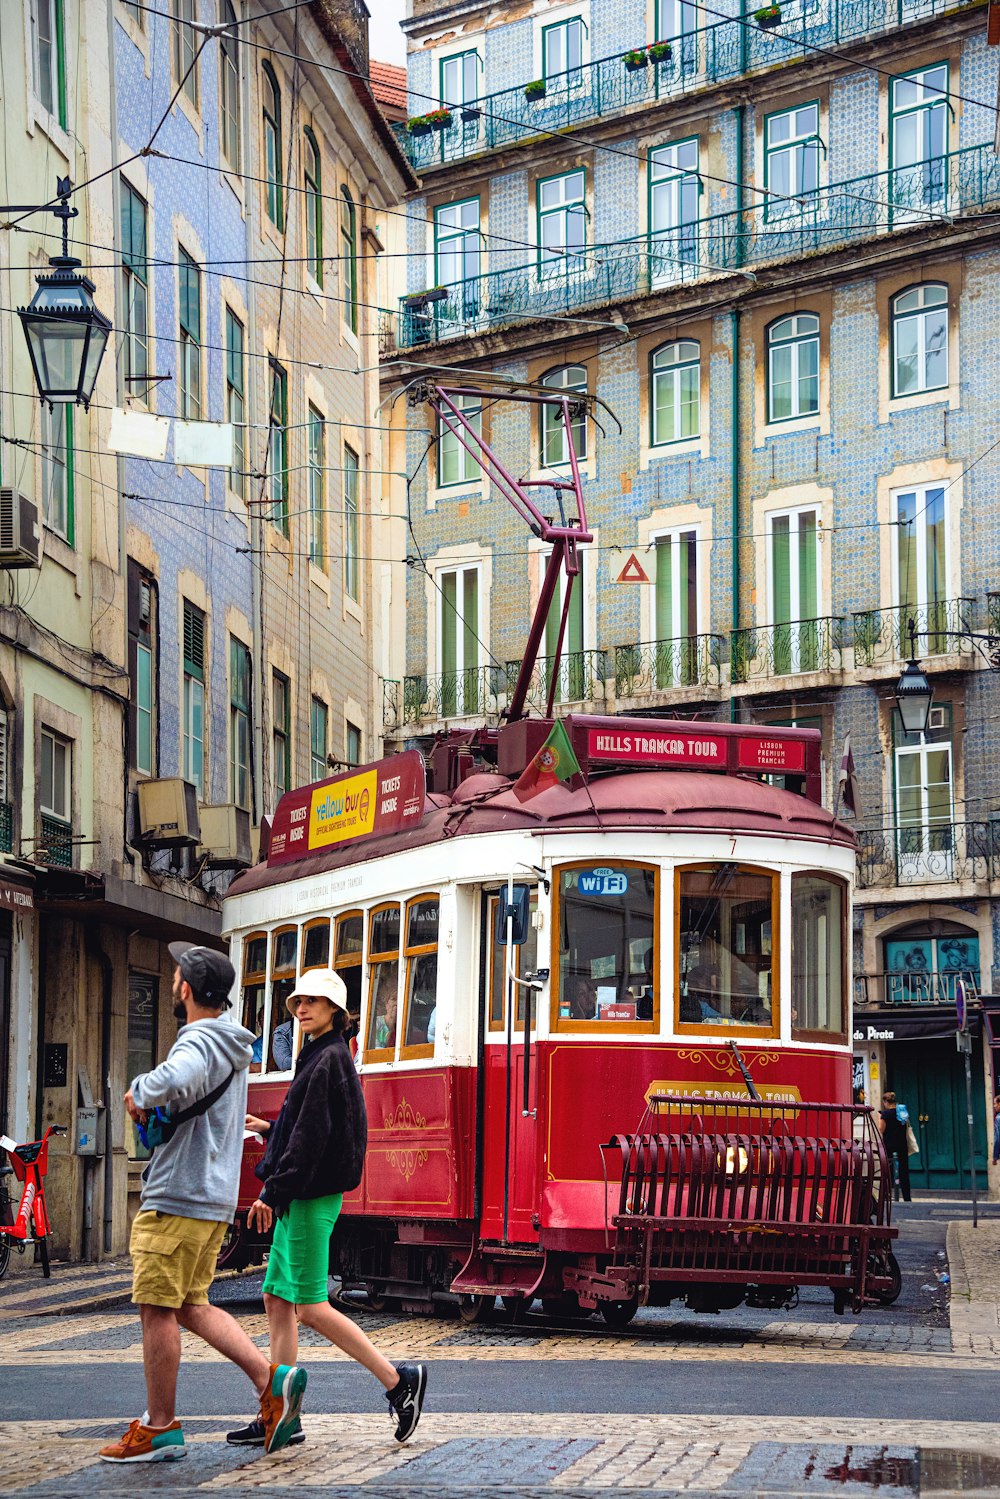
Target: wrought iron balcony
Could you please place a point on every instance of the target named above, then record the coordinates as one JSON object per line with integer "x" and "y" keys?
{"x": 390, "y": 704}
{"x": 927, "y": 853}
{"x": 56, "y": 843}
{"x": 993, "y": 613}
{"x": 663, "y": 665}
{"x": 838, "y": 214}
{"x": 475, "y": 692}
{"x": 883, "y": 635}
{"x": 581, "y": 678}
{"x": 916, "y": 987}
{"x": 805, "y": 645}
{"x": 715, "y": 53}
{"x": 6, "y": 828}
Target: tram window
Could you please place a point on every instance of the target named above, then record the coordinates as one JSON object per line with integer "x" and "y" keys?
{"x": 316, "y": 947}
{"x": 607, "y": 947}
{"x": 284, "y": 963}
{"x": 383, "y": 982}
{"x": 253, "y": 990}
{"x": 350, "y": 931}
{"x": 819, "y": 911}
{"x": 525, "y": 962}
{"x": 727, "y": 947}
{"x": 420, "y": 953}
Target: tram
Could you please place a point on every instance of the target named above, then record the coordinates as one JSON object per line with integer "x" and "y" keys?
{"x": 646, "y": 1094}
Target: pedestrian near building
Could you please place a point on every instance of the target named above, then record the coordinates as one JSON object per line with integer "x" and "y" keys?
{"x": 892, "y": 1121}
{"x": 193, "y": 1107}
{"x": 996, "y": 1129}
{"x": 315, "y": 1153}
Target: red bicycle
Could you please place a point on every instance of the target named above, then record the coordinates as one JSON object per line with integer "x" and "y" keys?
{"x": 31, "y": 1225}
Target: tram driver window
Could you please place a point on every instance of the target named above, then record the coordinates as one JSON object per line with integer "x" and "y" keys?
{"x": 281, "y": 1026}
{"x": 607, "y": 947}
{"x": 383, "y": 983}
{"x": 727, "y": 947}
{"x": 525, "y": 962}
{"x": 420, "y": 953}
{"x": 819, "y": 913}
{"x": 347, "y": 955}
{"x": 253, "y": 992}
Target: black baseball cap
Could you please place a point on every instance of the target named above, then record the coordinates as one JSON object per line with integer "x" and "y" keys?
{"x": 210, "y": 973}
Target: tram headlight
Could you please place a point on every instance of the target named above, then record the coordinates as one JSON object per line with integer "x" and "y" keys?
{"x": 737, "y": 1160}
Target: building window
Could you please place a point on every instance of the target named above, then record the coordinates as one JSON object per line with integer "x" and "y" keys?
{"x": 135, "y": 291}
{"x": 185, "y": 48}
{"x": 459, "y": 79}
{"x": 240, "y": 674}
{"x": 457, "y": 248}
{"x": 606, "y": 961}
{"x": 420, "y": 992}
{"x": 676, "y": 593}
{"x": 193, "y": 706}
{"x": 918, "y": 138}
{"x": 48, "y": 57}
{"x": 925, "y": 835}
{"x": 555, "y": 441}
{"x": 793, "y": 579}
{"x": 138, "y": 18}
{"x": 458, "y": 640}
{"x": 676, "y": 392}
{"x": 727, "y": 947}
{"x": 819, "y": 970}
{"x": 674, "y": 19}
{"x": 58, "y": 470}
{"x": 353, "y": 744}
{"x": 349, "y": 257}
{"x": 921, "y": 572}
{"x": 674, "y": 195}
{"x": 229, "y": 86}
{"x": 189, "y": 352}
{"x": 456, "y": 465}
{"x": 141, "y": 1043}
{"x": 319, "y": 739}
{"x": 54, "y": 798}
{"x": 273, "y": 194}
{"x": 571, "y": 684}
{"x": 314, "y": 207}
{"x": 562, "y": 52}
{"x": 562, "y": 223}
{"x": 277, "y": 448}
{"x": 793, "y": 367}
{"x": 143, "y": 644}
{"x": 316, "y": 446}
{"x": 281, "y": 733}
{"x": 235, "y": 400}
{"x": 791, "y": 160}
{"x": 352, "y": 559}
{"x": 920, "y": 340}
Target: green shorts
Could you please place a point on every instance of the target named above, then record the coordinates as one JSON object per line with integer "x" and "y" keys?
{"x": 298, "y": 1266}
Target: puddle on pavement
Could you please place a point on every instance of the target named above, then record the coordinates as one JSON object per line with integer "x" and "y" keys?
{"x": 875, "y": 1469}
{"x": 948, "y": 1469}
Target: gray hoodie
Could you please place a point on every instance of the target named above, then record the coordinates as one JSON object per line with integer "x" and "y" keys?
{"x": 196, "y": 1174}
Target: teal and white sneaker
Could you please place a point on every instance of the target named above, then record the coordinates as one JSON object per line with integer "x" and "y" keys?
{"x": 147, "y": 1444}
{"x": 281, "y": 1405}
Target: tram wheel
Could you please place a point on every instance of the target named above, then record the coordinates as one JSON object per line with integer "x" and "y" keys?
{"x": 517, "y": 1306}
{"x": 475, "y": 1308}
{"x": 375, "y": 1301}
{"x": 619, "y": 1313}
{"x": 564, "y": 1304}
{"x": 4, "y": 1255}
{"x": 886, "y": 1298}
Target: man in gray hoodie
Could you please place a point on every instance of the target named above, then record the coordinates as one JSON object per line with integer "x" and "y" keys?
{"x": 189, "y": 1195}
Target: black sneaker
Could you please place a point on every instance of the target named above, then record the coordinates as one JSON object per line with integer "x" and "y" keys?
{"x": 252, "y": 1435}
{"x": 406, "y": 1400}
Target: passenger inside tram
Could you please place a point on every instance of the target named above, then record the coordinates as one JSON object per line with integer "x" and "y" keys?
{"x": 383, "y": 1027}
{"x": 607, "y": 957}
{"x": 726, "y": 916}
{"x": 583, "y": 999}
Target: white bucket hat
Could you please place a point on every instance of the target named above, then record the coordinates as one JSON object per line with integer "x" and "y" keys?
{"x": 319, "y": 983}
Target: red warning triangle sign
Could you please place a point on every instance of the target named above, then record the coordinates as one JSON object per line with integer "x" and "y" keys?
{"x": 633, "y": 571}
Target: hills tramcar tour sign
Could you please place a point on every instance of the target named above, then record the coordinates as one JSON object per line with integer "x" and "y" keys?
{"x": 382, "y": 798}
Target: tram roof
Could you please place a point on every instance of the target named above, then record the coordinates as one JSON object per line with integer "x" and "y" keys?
{"x": 634, "y": 801}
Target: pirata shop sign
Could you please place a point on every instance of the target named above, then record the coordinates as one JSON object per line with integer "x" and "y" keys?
{"x": 386, "y": 797}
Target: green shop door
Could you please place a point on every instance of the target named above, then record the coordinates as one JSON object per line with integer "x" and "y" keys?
{"x": 929, "y": 1077}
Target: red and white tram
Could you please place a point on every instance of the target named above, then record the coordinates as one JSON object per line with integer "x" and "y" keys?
{"x": 686, "y": 890}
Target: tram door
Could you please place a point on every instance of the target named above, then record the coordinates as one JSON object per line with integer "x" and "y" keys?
{"x": 509, "y": 1165}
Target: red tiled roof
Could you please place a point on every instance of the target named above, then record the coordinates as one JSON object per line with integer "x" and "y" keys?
{"x": 389, "y": 87}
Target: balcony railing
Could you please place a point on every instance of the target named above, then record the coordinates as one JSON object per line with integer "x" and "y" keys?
{"x": 715, "y": 53}
{"x": 661, "y": 665}
{"x": 914, "y": 988}
{"x": 836, "y": 215}
{"x": 391, "y": 718}
{"x": 884, "y": 634}
{"x": 474, "y": 692}
{"x": 805, "y": 645}
{"x": 581, "y": 677}
{"x": 932, "y": 852}
{"x": 56, "y": 843}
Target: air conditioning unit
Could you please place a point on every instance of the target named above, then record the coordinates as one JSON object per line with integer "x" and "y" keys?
{"x": 168, "y": 813}
{"x": 225, "y": 837}
{"x": 18, "y": 529}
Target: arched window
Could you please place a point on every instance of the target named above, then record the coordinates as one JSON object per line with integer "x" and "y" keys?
{"x": 272, "y": 147}
{"x": 793, "y": 367}
{"x": 314, "y": 206}
{"x": 349, "y": 257}
{"x": 555, "y": 444}
{"x": 920, "y": 339}
{"x": 229, "y": 86}
{"x": 675, "y": 381}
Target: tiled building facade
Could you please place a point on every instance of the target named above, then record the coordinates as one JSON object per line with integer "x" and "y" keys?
{"x": 768, "y": 247}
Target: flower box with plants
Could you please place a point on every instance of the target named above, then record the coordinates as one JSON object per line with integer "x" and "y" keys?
{"x": 659, "y": 52}
{"x": 635, "y": 60}
{"x": 417, "y": 299}
{"x": 768, "y": 16}
{"x": 470, "y": 112}
{"x": 535, "y": 89}
{"x": 436, "y": 119}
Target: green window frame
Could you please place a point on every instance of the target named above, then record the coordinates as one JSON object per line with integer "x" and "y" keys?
{"x": 554, "y": 447}
{"x": 561, "y": 214}
{"x": 675, "y": 19}
{"x": 349, "y": 256}
{"x": 793, "y": 575}
{"x": 58, "y": 471}
{"x": 457, "y": 242}
{"x": 458, "y": 76}
{"x": 184, "y": 50}
{"x": 316, "y": 456}
{"x": 240, "y": 741}
{"x": 675, "y": 393}
{"x": 281, "y": 733}
{"x": 352, "y": 559}
{"x": 571, "y": 683}
{"x": 456, "y": 465}
{"x": 277, "y": 447}
{"x": 352, "y": 743}
{"x": 793, "y": 367}
{"x": 236, "y": 399}
{"x": 674, "y": 189}
{"x": 135, "y": 290}
{"x": 143, "y": 637}
{"x": 792, "y": 147}
{"x": 229, "y": 88}
{"x": 189, "y": 340}
{"x": 920, "y": 574}
{"x": 919, "y": 317}
{"x": 319, "y": 739}
{"x": 312, "y": 175}
{"x": 48, "y": 57}
{"x": 458, "y": 640}
{"x": 562, "y": 51}
{"x": 194, "y": 722}
{"x": 274, "y": 195}
{"x": 918, "y": 136}
{"x": 676, "y": 584}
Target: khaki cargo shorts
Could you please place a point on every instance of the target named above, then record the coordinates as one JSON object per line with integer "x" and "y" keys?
{"x": 173, "y": 1259}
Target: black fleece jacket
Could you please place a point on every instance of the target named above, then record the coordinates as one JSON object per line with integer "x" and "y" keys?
{"x": 316, "y": 1146}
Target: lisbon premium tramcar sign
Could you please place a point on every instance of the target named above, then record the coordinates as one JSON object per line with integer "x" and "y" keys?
{"x": 382, "y": 798}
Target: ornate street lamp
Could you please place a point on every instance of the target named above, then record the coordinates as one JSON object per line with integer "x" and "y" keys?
{"x": 914, "y": 693}
{"x": 66, "y": 333}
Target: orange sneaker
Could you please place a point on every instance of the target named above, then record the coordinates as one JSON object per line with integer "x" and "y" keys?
{"x": 144, "y": 1444}
{"x": 281, "y": 1405}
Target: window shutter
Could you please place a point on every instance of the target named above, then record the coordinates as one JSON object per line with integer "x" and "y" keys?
{"x": 808, "y": 589}
{"x": 781, "y": 587}
{"x": 664, "y": 588}
{"x": 194, "y": 642}
{"x": 3, "y": 756}
{"x": 449, "y": 622}
{"x": 689, "y": 583}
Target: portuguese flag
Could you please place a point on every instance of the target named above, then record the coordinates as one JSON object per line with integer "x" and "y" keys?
{"x": 554, "y": 762}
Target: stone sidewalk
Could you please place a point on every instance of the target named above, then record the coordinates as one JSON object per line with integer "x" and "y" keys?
{"x": 974, "y": 1266}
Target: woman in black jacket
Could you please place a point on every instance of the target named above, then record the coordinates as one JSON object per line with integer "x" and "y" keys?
{"x": 315, "y": 1153}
